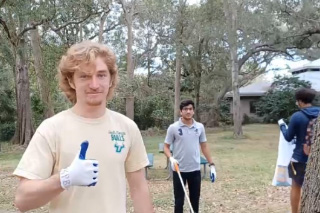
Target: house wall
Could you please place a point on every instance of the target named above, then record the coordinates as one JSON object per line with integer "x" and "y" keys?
{"x": 245, "y": 106}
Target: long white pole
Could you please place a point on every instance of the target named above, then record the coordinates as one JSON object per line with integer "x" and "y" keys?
{"x": 184, "y": 188}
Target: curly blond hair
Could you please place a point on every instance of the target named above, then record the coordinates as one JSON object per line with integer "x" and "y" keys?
{"x": 84, "y": 53}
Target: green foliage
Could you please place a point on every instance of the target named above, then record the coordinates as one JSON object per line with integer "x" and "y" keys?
{"x": 279, "y": 102}
{"x": 225, "y": 116}
{"x": 316, "y": 101}
{"x": 153, "y": 104}
{"x": 153, "y": 112}
{"x": 246, "y": 119}
{"x": 7, "y": 131}
{"x": 7, "y": 104}
{"x": 37, "y": 109}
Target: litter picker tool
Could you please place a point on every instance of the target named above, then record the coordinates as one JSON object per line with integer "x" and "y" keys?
{"x": 184, "y": 188}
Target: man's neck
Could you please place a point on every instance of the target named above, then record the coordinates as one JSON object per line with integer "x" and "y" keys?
{"x": 187, "y": 122}
{"x": 89, "y": 111}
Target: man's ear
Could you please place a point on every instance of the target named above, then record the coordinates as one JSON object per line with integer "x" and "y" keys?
{"x": 71, "y": 83}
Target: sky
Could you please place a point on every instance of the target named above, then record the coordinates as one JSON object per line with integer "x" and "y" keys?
{"x": 193, "y": 1}
{"x": 281, "y": 66}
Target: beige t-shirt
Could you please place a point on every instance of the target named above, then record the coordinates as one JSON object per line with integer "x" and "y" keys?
{"x": 114, "y": 140}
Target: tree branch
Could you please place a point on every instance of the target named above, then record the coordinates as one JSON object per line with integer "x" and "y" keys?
{"x": 264, "y": 49}
{"x": 32, "y": 27}
{"x": 56, "y": 29}
{"x": 106, "y": 30}
{"x": 2, "y": 3}
{"x": 6, "y": 29}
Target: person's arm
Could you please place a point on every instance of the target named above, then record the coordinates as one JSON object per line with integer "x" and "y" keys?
{"x": 139, "y": 191}
{"x": 166, "y": 150}
{"x": 32, "y": 194}
{"x": 204, "y": 145}
{"x": 290, "y": 132}
{"x": 168, "y": 141}
{"x": 206, "y": 152}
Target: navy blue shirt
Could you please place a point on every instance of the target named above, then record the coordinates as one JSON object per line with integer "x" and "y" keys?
{"x": 298, "y": 128}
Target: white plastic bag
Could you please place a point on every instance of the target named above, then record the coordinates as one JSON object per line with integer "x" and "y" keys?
{"x": 285, "y": 151}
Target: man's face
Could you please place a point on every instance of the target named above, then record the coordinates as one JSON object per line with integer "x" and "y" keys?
{"x": 187, "y": 112}
{"x": 92, "y": 83}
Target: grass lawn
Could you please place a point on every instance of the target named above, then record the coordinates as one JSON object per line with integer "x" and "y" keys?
{"x": 245, "y": 170}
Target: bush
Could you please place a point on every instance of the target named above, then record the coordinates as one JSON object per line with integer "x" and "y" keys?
{"x": 225, "y": 115}
{"x": 246, "y": 119}
{"x": 7, "y": 131}
{"x": 279, "y": 101}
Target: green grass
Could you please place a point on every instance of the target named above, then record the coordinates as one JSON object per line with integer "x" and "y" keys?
{"x": 9, "y": 156}
{"x": 251, "y": 157}
{"x": 245, "y": 169}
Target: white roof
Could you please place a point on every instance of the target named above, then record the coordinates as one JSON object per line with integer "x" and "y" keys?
{"x": 261, "y": 87}
{"x": 313, "y": 77}
{"x": 312, "y": 65}
{"x": 254, "y": 89}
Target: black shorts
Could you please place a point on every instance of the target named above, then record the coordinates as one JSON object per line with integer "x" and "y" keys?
{"x": 297, "y": 171}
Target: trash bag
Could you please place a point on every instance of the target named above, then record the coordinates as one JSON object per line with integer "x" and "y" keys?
{"x": 285, "y": 151}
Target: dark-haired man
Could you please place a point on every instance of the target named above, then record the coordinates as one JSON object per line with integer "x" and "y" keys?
{"x": 187, "y": 136}
{"x": 297, "y": 129}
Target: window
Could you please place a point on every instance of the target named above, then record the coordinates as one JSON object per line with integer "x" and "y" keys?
{"x": 253, "y": 107}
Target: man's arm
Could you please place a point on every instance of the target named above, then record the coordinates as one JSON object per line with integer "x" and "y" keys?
{"x": 206, "y": 151}
{"x": 139, "y": 191}
{"x": 166, "y": 150}
{"x": 168, "y": 141}
{"x": 32, "y": 194}
{"x": 290, "y": 132}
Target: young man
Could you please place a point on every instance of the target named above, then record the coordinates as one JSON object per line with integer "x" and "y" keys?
{"x": 94, "y": 178}
{"x": 297, "y": 129}
{"x": 186, "y": 137}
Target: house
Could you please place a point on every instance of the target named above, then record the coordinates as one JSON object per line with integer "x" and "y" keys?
{"x": 251, "y": 93}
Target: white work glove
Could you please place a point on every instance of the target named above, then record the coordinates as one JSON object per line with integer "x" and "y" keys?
{"x": 281, "y": 122}
{"x": 173, "y": 162}
{"x": 213, "y": 173}
{"x": 81, "y": 172}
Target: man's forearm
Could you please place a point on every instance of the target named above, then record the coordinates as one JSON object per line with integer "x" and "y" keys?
{"x": 32, "y": 194}
{"x": 206, "y": 152}
{"x": 285, "y": 133}
{"x": 166, "y": 150}
{"x": 139, "y": 192}
{"x": 141, "y": 199}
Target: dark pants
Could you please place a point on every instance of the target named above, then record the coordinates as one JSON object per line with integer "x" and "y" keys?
{"x": 194, "y": 184}
{"x": 297, "y": 172}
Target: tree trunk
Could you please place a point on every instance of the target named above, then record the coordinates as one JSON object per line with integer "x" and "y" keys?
{"x": 231, "y": 15}
{"x": 237, "y": 121}
{"x": 41, "y": 77}
{"x": 197, "y": 85}
{"x": 149, "y": 69}
{"x": 214, "y": 115}
{"x": 101, "y": 26}
{"x": 310, "y": 202}
{"x": 198, "y": 75}
{"x": 80, "y": 32}
{"x": 24, "y": 130}
{"x": 177, "y": 84}
{"x": 130, "y": 66}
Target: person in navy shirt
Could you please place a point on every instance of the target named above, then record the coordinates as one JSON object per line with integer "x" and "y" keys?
{"x": 297, "y": 130}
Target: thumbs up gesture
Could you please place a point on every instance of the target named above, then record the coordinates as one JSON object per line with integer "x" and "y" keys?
{"x": 81, "y": 172}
